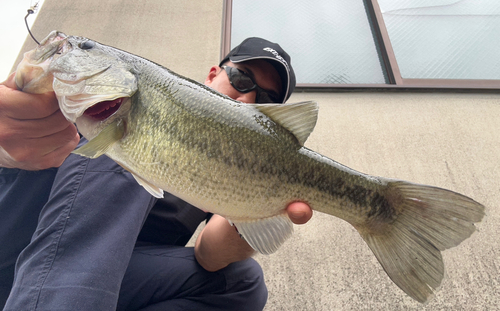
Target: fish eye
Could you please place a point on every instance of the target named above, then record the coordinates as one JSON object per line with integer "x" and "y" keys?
{"x": 87, "y": 45}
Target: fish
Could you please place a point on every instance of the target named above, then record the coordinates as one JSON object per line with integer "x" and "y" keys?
{"x": 245, "y": 162}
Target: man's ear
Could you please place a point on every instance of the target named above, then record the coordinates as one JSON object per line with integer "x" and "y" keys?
{"x": 211, "y": 75}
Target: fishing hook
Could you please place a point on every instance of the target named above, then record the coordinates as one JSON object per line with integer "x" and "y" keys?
{"x": 31, "y": 10}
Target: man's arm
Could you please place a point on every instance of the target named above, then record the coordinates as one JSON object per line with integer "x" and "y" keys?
{"x": 219, "y": 244}
{"x": 34, "y": 134}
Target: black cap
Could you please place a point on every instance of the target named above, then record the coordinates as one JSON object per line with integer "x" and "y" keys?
{"x": 258, "y": 48}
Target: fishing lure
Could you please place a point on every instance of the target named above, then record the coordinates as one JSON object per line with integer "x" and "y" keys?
{"x": 31, "y": 10}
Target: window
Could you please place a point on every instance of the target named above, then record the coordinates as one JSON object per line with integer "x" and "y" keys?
{"x": 377, "y": 44}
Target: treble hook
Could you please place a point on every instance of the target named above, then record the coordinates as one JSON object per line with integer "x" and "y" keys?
{"x": 31, "y": 11}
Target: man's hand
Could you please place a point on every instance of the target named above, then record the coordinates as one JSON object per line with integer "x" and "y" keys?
{"x": 299, "y": 212}
{"x": 34, "y": 134}
{"x": 219, "y": 244}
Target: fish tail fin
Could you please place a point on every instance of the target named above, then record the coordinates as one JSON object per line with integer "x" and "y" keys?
{"x": 428, "y": 220}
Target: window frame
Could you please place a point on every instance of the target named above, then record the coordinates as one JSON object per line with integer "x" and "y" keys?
{"x": 396, "y": 81}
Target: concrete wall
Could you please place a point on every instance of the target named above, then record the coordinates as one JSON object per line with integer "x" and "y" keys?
{"x": 184, "y": 36}
{"x": 450, "y": 140}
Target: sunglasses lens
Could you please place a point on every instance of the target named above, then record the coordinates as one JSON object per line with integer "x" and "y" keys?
{"x": 240, "y": 81}
{"x": 243, "y": 83}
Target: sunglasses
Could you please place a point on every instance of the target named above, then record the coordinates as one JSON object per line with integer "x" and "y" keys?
{"x": 244, "y": 84}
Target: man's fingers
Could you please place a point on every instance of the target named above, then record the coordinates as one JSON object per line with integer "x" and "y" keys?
{"x": 40, "y": 150}
{"x": 67, "y": 139}
{"x": 57, "y": 157}
{"x": 24, "y": 106}
{"x": 299, "y": 212}
{"x": 34, "y": 134}
{"x": 45, "y": 134}
{"x": 36, "y": 128}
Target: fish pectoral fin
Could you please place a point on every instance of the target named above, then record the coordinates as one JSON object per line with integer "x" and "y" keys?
{"x": 103, "y": 141}
{"x": 299, "y": 118}
{"x": 152, "y": 189}
{"x": 266, "y": 235}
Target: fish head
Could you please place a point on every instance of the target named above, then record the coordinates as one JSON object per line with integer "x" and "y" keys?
{"x": 92, "y": 82}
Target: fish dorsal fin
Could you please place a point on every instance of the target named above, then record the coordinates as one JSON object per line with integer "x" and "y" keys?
{"x": 152, "y": 189}
{"x": 299, "y": 118}
{"x": 100, "y": 144}
{"x": 266, "y": 235}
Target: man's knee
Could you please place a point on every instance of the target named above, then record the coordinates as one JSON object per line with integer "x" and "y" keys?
{"x": 249, "y": 284}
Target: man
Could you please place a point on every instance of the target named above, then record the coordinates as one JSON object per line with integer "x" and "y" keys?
{"x": 73, "y": 229}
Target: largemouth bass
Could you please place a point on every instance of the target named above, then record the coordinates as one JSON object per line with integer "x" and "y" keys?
{"x": 246, "y": 162}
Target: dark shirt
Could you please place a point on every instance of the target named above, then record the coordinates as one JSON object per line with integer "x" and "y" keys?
{"x": 171, "y": 221}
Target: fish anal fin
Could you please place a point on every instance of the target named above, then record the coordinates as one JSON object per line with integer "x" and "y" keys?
{"x": 428, "y": 220}
{"x": 265, "y": 235}
{"x": 299, "y": 118}
{"x": 100, "y": 144}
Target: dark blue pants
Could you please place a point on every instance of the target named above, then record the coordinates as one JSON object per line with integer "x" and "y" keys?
{"x": 22, "y": 196}
{"x": 73, "y": 232}
{"x": 169, "y": 278}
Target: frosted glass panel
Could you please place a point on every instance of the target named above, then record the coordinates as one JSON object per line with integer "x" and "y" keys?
{"x": 444, "y": 39}
{"x": 329, "y": 41}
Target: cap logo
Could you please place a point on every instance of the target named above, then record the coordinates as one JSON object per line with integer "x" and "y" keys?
{"x": 278, "y": 56}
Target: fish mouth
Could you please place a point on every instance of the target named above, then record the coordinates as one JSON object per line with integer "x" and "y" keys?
{"x": 103, "y": 110}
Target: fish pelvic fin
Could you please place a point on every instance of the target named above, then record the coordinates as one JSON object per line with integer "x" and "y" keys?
{"x": 429, "y": 220}
{"x": 100, "y": 144}
{"x": 149, "y": 187}
{"x": 152, "y": 189}
{"x": 265, "y": 235}
{"x": 299, "y": 118}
